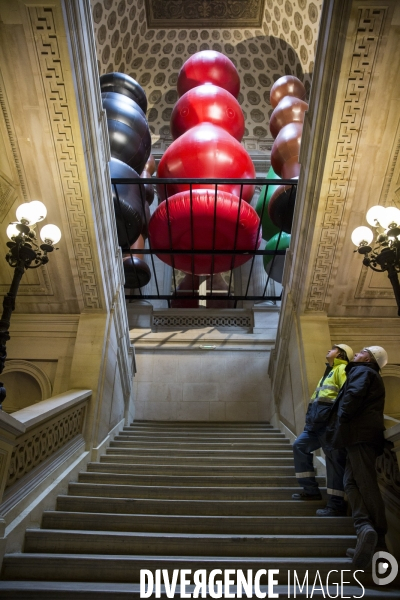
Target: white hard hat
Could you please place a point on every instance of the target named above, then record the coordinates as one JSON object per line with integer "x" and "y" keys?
{"x": 379, "y": 354}
{"x": 347, "y": 349}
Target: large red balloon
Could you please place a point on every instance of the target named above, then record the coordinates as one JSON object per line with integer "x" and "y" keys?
{"x": 211, "y": 104}
{"x": 289, "y": 110}
{"x": 227, "y": 211}
{"x": 288, "y": 85}
{"x": 208, "y": 66}
{"x": 285, "y": 151}
{"x": 206, "y": 151}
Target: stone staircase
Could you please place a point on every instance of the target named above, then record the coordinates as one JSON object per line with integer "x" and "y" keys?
{"x": 182, "y": 496}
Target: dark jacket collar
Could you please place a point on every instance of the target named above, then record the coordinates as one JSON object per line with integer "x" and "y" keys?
{"x": 359, "y": 365}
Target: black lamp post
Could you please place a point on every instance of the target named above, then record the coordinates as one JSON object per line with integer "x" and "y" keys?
{"x": 385, "y": 253}
{"x": 24, "y": 253}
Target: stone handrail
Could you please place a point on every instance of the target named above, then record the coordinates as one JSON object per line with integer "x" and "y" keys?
{"x": 31, "y": 435}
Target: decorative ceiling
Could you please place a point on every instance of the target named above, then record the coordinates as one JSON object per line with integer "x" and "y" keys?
{"x": 285, "y": 43}
{"x": 204, "y": 13}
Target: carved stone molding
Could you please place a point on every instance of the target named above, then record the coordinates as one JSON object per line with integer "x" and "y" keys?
{"x": 24, "y": 366}
{"x": 4, "y": 207}
{"x": 367, "y": 40}
{"x": 203, "y": 13}
{"x": 51, "y": 67}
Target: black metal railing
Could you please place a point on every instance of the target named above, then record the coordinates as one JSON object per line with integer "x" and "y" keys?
{"x": 213, "y": 252}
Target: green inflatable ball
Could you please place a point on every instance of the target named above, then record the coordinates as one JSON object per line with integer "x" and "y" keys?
{"x": 268, "y": 228}
{"x": 277, "y": 267}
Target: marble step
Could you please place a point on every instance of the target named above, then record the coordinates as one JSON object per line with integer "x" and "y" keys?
{"x": 126, "y": 569}
{"x": 185, "y": 544}
{"x": 124, "y": 442}
{"x": 122, "y": 456}
{"x": 63, "y": 590}
{"x": 213, "y": 454}
{"x": 270, "y": 435}
{"x": 198, "y": 524}
{"x": 147, "y": 506}
{"x": 196, "y": 470}
{"x": 203, "y": 425}
{"x": 182, "y": 493}
{"x": 187, "y": 480}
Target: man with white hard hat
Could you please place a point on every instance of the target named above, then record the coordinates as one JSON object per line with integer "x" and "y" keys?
{"x": 313, "y": 437}
{"x": 356, "y": 424}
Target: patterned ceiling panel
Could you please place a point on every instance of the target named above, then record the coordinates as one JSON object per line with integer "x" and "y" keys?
{"x": 285, "y": 44}
{"x": 176, "y": 14}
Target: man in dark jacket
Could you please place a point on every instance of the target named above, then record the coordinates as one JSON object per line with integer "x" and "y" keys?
{"x": 356, "y": 423}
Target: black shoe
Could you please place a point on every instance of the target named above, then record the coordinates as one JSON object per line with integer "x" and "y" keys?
{"x": 350, "y": 552}
{"x": 304, "y": 496}
{"x": 366, "y": 544}
{"x": 330, "y": 512}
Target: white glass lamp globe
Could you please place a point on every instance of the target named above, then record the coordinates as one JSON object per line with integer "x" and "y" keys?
{"x": 50, "y": 233}
{"x": 12, "y": 230}
{"x": 391, "y": 215}
{"x": 39, "y": 211}
{"x": 362, "y": 236}
{"x": 375, "y": 214}
{"x": 25, "y": 212}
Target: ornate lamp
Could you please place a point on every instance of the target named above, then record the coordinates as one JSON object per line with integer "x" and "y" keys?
{"x": 24, "y": 253}
{"x": 384, "y": 253}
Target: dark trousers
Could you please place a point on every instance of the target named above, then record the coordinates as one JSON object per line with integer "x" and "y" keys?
{"x": 303, "y": 448}
{"x": 361, "y": 486}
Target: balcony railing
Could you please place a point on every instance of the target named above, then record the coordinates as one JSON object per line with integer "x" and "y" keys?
{"x": 266, "y": 293}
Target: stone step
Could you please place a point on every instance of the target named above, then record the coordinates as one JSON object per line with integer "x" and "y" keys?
{"x": 199, "y": 453}
{"x": 196, "y": 470}
{"x": 126, "y": 569}
{"x": 181, "y": 493}
{"x": 188, "y": 507}
{"x": 198, "y": 524}
{"x": 187, "y": 480}
{"x": 121, "y": 456}
{"x": 270, "y": 435}
{"x": 119, "y": 442}
{"x": 82, "y": 590}
{"x": 203, "y": 425}
{"x": 185, "y": 544}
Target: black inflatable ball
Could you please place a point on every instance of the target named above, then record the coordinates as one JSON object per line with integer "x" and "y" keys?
{"x": 281, "y": 207}
{"x": 125, "y": 85}
{"x": 149, "y": 188}
{"x": 128, "y": 130}
{"x": 137, "y": 272}
{"x": 128, "y": 207}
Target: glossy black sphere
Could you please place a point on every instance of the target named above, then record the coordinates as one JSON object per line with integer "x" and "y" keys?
{"x": 137, "y": 272}
{"x": 129, "y": 206}
{"x": 123, "y": 84}
{"x": 128, "y": 130}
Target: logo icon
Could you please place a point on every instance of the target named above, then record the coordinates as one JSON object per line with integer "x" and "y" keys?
{"x": 384, "y": 563}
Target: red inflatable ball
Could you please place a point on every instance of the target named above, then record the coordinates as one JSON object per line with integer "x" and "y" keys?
{"x": 285, "y": 151}
{"x": 208, "y": 66}
{"x": 206, "y": 151}
{"x": 187, "y": 287}
{"x": 226, "y": 211}
{"x": 281, "y": 207}
{"x": 211, "y": 104}
{"x": 288, "y": 85}
{"x": 289, "y": 110}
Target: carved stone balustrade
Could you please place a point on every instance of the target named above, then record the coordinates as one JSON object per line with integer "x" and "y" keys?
{"x": 32, "y": 435}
